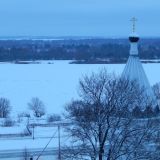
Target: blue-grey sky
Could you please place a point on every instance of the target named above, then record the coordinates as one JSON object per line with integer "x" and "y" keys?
{"x": 78, "y": 17}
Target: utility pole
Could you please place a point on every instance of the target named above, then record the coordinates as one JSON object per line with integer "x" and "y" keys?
{"x": 59, "y": 143}
{"x": 33, "y": 132}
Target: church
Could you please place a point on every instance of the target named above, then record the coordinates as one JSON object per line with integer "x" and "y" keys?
{"x": 134, "y": 69}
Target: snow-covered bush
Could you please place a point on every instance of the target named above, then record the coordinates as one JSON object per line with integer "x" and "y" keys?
{"x": 37, "y": 106}
{"x": 53, "y": 118}
{"x": 22, "y": 116}
{"x": 8, "y": 122}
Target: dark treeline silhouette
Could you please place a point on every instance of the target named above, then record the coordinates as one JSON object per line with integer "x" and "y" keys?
{"x": 89, "y": 50}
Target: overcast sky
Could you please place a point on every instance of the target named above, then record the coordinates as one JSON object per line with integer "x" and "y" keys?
{"x": 78, "y": 17}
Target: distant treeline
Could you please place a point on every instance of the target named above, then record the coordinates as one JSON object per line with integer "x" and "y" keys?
{"x": 89, "y": 50}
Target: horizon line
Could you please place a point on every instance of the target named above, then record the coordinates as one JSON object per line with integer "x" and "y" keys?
{"x": 69, "y": 37}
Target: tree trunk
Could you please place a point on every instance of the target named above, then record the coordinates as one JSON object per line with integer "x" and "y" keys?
{"x": 101, "y": 152}
{"x": 100, "y": 156}
{"x": 109, "y": 154}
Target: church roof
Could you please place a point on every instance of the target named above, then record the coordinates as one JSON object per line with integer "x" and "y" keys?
{"x": 134, "y": 71}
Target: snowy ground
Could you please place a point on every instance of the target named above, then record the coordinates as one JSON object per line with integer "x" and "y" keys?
{"x": 55, "y": 84}
{"x": 15, "y": 146}
{"x": 41, "y": 137}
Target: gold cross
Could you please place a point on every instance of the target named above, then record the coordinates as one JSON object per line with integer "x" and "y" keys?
{"x": 133, "y": 20}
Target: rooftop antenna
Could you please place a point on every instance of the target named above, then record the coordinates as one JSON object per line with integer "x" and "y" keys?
{"x": 133, "y": 20}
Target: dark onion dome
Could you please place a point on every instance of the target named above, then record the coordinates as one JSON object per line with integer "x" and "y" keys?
{"x": 133, "y": 38}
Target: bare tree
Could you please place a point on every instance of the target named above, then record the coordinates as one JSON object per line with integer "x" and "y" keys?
{"x": 156, "y": 90}
{"x": 5, "y": 107}
{"x": 103, "y": 125}
{"x": 37, "y": 106}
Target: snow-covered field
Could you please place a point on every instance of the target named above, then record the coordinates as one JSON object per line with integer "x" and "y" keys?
{"x": 55, "y": 84}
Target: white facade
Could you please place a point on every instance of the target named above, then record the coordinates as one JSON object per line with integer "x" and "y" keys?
{"x": 134, "y": 49}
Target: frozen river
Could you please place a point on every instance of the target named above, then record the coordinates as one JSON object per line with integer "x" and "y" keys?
{"x": 55, "y": 84}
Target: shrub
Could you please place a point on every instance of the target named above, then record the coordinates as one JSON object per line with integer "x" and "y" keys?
{"x": 8, "y": 122}
{"x": 37, "y": 106}
{"x": 53, "y": 118}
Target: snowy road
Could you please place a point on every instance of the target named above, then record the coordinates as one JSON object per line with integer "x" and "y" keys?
{"x": 42, "y": 136}
{"x": 32, "y": 152}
